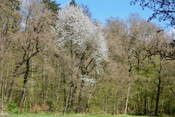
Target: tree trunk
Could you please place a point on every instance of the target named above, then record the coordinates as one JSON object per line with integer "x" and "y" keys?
{"x": 71, "y": 78}
{"x": 128, "y": 92}
{"x": 57, "y": 94}
{"x": 43, "y": 79}
{"x": 73, "y": 97}
{"x": 115, "y": 103}
{"x": 2, "y": 92}
{"x": 2, "y": 99}
{"x": 106, "y": 105}
{"x": 9, "y": 99}
{"x": 105, "y": 102}
{"x": 127, "y": 99}
{"x": 162, "y": 105}
{"x": 151, "y": 101}
{"x": 89, "y": 98}
{"x": 66, "y": 105}
{"x": 78, "y": 109}
{"x": 158, "y": 96}
{"x": 145, "y": 102}
{"x": 138, "y": 104}
{"x": 65, "y": 95}
{"x": 70, "y": 96}
{"x": 25, "y": 82}
{"x": 5, "y": 84}
{"x": 31, "y": 88}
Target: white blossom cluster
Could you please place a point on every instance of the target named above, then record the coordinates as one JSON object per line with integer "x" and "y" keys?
{"x": 88, "y": 81}
{"x": 74, "y": 26}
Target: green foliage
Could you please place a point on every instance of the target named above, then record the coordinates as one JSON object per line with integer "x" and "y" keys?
{"x": 52, "y": 5}
{"x": 12, "y": 107}
{"x": 50, "y": 103}
{"x": 9, "y": 16}
{"x": 15, "y": 4}
{"x": 73, "y": 3}
{"x": 50, "y": 74}
{"x": 144, "y": 73}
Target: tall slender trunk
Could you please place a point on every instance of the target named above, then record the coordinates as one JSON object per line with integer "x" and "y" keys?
{"x": 106, "y": 105}
{"x": 66, "y": 104}
{"x": 89, "y": 98}
{"x": 127, "y": 99}
{"x": 57, "y": 93}
{"x": 78, "y": 109}
{"x": 162, "y": 105}
{"x": 44, "y": 75}
{"x": 145, "y": 102}
{"x": 5, "y": 83}
{"x": 23, "y": 99}
{"x": 129, "y": 85}
{"x": 31, "y": 88}
{"x": 43, "y": 83}
{"x": 3, "y": 87}
{"x": 10, "y": 90}
{"x": 64, "y": 90}
{"x": 151, "y": 101}
{"x": 171, "y": 109}
{"x": 138, "y": 104}
{"x": 115, "y": 103}
{"x": 2, "y": 98}
{"x": 65, "y": 93}
{"x": 2, "y": 91}
{"x": 73, "y": 97}
{"x": 71, "y": 78}
{"x": 9, "y": 99}
{"x": 70, "y": 96}
{"x": 65, "y": 109}
{"x": 158, "y": 96}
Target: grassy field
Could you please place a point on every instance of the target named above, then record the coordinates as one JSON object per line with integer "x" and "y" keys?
{"x": 78, "y": 115}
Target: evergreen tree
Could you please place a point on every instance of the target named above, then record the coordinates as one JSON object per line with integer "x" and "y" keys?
{"x": 73, "y": 3}
{"x": 52, "y": 5}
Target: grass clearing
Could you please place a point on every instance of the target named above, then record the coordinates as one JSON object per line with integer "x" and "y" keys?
{"x": 76, "y": 115}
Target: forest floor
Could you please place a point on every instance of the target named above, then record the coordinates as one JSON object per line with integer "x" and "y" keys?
{"x": 78, "y": 115}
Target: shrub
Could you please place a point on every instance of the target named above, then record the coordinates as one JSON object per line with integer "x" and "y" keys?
{"x": 12, "y": 107}
{"x": 51, "y": 105}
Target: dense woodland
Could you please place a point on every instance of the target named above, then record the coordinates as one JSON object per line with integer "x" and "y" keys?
{"x": 60, "y": 60}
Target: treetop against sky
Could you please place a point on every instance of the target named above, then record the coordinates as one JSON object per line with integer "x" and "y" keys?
{"x": 104, "y": 9}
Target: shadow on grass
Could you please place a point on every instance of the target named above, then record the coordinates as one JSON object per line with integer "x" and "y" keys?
{"x": 75, "y": 115}
{"x": 151, "y": 116}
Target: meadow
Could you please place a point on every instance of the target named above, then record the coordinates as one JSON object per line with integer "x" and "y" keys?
{"x": 77, "y": 115}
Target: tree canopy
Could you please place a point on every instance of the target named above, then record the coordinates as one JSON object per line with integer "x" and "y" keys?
{"x": 163, "y": 10}
{"x": 52, "y": 5}
{"x": 62, "y": 61}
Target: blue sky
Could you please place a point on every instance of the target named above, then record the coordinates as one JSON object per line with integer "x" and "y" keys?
{"x": 103, "y": 9}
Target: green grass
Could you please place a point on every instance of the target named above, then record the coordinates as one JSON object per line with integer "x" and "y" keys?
{"x": 77, "y": 115}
